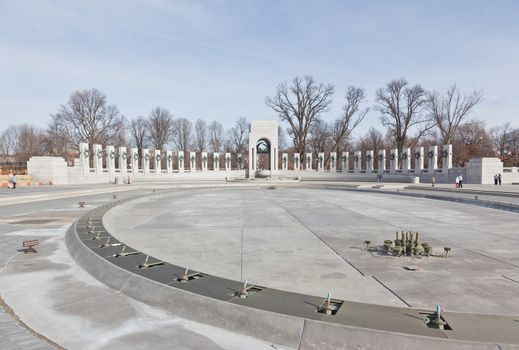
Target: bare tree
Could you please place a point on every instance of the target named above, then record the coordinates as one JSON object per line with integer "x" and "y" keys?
{"x": 512, "y": 158}
{"x": 182, "y": 130}
{"x": 216, "y": 136}
{"x": 300, "y": 104}
{"x": 22, "y": 141}
{"x": 239, "y": 136}
{"x": 30, "y": 142}
{"x": 505, "y": 140}
{"x": 373, "y": 140}
{"x": 352, "y": 116}
{"x": 402, "y": 110}
{"x": 139, "y": 132}
{"x": 160, "y": 127}
{"x": 501, "y": 136}
{"x": 319, "y": 136}
{"x": 90, "y": 119}
{"x": 200, "y": 136}
{"x": 450, "y": 108}
{"x": 471, "y": 140}
{"x": 8, "y": 141}
{"x": 57, "y": 138}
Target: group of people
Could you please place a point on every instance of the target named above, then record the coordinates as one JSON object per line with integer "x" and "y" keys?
{"x": 497, "y": 179}
{"x": 459, "y": 181}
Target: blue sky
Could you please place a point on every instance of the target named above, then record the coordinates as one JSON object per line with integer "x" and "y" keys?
{"x": 218, "y": 60}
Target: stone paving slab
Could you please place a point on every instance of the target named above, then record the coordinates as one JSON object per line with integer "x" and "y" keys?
{"x": 56, "y": 298}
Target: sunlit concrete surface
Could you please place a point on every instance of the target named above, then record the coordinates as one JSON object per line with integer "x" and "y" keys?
{"x": 58, "y": 300}
{"x": 310, "y": 241}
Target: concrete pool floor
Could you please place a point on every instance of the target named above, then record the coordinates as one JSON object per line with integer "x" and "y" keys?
{"x": 310, "y": 241}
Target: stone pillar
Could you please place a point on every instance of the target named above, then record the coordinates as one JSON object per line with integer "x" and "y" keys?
{"x": 273, "y": 159}
{"x": 297, "y": 161}
{"x": 446, "y": 158}
{"x": 369, "y": 162}
{"x": 381, "y": 166}
{"x": 320, "y": 161}
{"x": 123, "y": 160}
{"x": 192, "y": 162}
{"x": 157, "y": 163}
{"x": 433, "y": 159}
{"x": 252, "y": 161}
{"x": 333, "y": 162}
{"x": 308, "y": 161}
{"x": 98, "y": 158}
{"x": 284, "y": 161}
{"x": 418, "y": 159}
{"x": 228, "y": 162}
{"x": 393, "y": 161}
{"x": 239, "y": 161}
{"x": 169, "y": 162}
{"x": 216, "y": 161}
{"x": 110, "y": 160}
{"x": 135, "y": 161}
{"x": 357, "y": 161}
{"x": 406, "y": 160}
{"x": 84, "y": 156}
{"x": 146, "y": 161}
{"x": 205, "y": 161}
{"x": 181, "y": 162}
{"x": 345, "y": 162}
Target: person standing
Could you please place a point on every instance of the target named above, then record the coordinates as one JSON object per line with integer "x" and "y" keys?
{"x": 10, "y": 179}
{"x": 495, "y": 179}
{"x": 457, "y": 181}
{"x": 433, "y": 180}
{"x": 499, "y": 179}
{"x": 460, "y": 181}
{"x": 14, "y": 181}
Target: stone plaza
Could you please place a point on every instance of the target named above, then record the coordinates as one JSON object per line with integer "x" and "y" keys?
{"x": 263, "y": 252}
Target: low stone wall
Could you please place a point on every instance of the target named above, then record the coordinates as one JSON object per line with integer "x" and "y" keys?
{"x": 21, "y": 180}
{"x": 55, "y": 170}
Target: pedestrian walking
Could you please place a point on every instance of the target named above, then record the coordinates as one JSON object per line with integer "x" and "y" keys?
{"x": 499, "y": 179}
{"x": 457, "y": 182}
{"x": 460, "y": 181}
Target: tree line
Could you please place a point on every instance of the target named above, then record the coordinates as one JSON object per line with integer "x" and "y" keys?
{"x": 409, "y": 116}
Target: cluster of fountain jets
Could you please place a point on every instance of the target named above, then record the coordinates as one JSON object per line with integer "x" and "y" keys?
{"x": 407, "y": 244}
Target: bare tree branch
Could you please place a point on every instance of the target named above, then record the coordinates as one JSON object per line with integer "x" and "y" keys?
{"x": 160, "y": 127}
{"x": 402, "y": 110}
{"x": 200, "y": 136}
{"x": 352, "y": 116}
{"x": 216, "y": 136}
{"x": 182, "y": 130}
{"x": 90, "y": 119}
{"x": 449, "y": 109}
{"x": 299, "y": 105}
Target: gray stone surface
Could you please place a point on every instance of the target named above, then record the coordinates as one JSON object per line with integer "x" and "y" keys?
{"x": 59, "y": 300}
{"x": 310, "y": 241}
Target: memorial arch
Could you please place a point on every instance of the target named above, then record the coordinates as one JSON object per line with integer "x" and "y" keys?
{"x": 263, "y": 140}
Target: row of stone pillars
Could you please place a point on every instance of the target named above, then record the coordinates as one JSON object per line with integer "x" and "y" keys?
{"x": 151, "y": 161}
{"x": 394, "y": 160}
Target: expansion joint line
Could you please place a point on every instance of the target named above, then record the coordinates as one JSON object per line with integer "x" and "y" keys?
{"x": 322, "y": 240}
